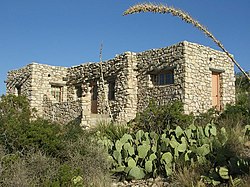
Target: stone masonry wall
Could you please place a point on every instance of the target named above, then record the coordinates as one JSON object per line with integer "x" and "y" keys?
{"x": 19, "y": 78}
{"x": 43, "y": 77}
{"x": 132, "y": 75}
{"x": 121, "y": 71}
{"x": 62, "y": 112}
{"x": 156, "y": 60}
{"x": 200, "y": 62}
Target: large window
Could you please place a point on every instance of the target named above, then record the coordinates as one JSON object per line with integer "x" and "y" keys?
{"x": 57, "y": 92}
{"x": 163, "y": 78}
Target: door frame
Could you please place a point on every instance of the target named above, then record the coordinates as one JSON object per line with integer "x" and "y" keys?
{"x": 215, "y": 83}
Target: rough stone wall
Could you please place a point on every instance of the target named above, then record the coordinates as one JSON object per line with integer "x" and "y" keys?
{"x": 132, "y": 73}
{"x": 43, "y": 76}
{"x": 20, "y": 78}
{"x": 121, "y": 70}
{"x": 62, "y": 112}
{"x": 157, "y": 60}
{"x": 200, "y": 62}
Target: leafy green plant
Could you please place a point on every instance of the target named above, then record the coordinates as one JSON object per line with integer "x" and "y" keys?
{"x": 110, "y": 130}
{"x": 41, "y": 153}
{"x": 158, "y": 118}
{"x": 147, "y": 154}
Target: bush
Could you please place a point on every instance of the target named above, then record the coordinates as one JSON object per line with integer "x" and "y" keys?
{"x": 41, "y": 153}
{"x": 240, "y": 112}
{"x": 158, "y": 118}
{"x": 91, "y": 160}
{"x": 14, "y": 121}
{"x": 20, "y": 134}
{"x": 34, "y": 169}
{"x": 43, "y": 135}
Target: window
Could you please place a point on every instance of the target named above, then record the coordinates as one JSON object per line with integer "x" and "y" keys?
{"x": 18, "y": 89}
{"x": 78, "y": 91}
{"x": 111, "y": 91}
{"x": 57, "y": 93}
{"x": 163, "y": 78}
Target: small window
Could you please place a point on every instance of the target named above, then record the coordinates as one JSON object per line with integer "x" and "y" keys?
{"x": 57, "y": 93}
{"x": 111, "y": 92}
{"x": 78, "y": 91}
{"x": 18, "y": 90}
{"x": 163, "y": 78}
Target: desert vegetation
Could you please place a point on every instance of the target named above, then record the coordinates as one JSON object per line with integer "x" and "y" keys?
{"x": 212, "y": 149}
{"x": 40, "y": 153}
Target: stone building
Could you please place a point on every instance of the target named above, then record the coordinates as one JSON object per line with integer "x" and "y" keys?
{"x": 199, "y": 76}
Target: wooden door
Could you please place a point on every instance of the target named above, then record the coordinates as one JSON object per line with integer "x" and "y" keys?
{"x": 93, "y": 98}
{"x": 216, "y": 90}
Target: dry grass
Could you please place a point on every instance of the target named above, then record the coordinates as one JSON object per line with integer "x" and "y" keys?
{"x": 187, "y": 177}
{"x": 91, "y": 161}
{"x": 82, "y": 158}
{"x": 164, "y": 9}
{"x": 32, "y": 170}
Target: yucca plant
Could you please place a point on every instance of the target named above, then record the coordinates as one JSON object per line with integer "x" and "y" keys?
{"x": 164, "y": 9}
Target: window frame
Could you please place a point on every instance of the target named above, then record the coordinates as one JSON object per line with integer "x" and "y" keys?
{"x": 163, "y": 78}
{"x": 57, "y": 94}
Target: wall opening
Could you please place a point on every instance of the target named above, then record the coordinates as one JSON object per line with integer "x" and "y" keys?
{"x": 18, "y": 90}
{"x": 163, "y": 78}
{"x": 78, "y": 91}
{"x": 216, "y": 90}
{"x": 57, "y": 93}
{"x": 94, "y": 94}
{"x": 111, "y": 90}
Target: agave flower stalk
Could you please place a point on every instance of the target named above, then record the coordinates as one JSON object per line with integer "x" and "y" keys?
{"x": 103, "y": 85}
{"x": 164, "y": 9}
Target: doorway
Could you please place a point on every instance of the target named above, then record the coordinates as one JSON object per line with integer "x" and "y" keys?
{"x": 216, "y": 90}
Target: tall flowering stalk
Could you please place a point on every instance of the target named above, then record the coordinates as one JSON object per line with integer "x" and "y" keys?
{"x": 103, "y": 85}
{"x": 164, "y": 9}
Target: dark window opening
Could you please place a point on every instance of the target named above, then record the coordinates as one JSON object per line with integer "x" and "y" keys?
{"x": 18, "y": 90}
{"x": 78, "y": 91}
{"x": 163, "y": 78}
{"x": 111, "y": 91}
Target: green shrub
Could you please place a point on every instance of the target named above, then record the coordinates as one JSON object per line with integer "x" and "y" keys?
{"x": 41, "y": 153}
{"x": 43, "y": 135}
{"x": 72, "y": 131}
{"x": 14, "y": 121}
{"x": 158, "y": 118}
{"x": 14, "y": 109}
